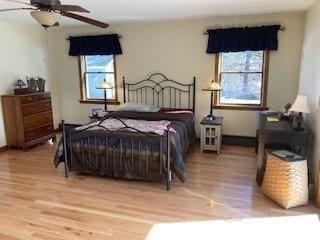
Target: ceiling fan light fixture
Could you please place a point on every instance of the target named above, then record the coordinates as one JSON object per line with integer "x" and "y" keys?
{"x": 45, "y": 18}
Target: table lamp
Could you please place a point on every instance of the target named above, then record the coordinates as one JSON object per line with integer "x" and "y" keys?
{"x": 105, "y": 86}
{"x": 300, "y": 106}
{"x": 213, "y": 87}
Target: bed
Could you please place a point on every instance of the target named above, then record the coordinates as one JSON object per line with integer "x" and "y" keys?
{"x": 150, "y": 146}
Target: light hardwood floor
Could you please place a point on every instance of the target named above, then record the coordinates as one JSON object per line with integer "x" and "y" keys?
{"x": 37, "y": 202}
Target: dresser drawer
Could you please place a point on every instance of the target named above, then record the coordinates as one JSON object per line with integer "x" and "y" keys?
{"x": 33, "y": 121}
{"x": 35, "y": 98}
{"x": 36, "y": 107}
{"x": 38, "y": 132}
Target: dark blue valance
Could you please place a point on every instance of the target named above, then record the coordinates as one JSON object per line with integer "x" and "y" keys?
{"x": 95, "y": 45}
{"x": 243, "y": 39}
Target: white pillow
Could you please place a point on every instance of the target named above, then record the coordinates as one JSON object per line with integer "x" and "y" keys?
{"x": 138, "y": 107}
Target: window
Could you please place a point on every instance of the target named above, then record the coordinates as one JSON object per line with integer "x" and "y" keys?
{"x": 243, "y": 78}
{"x": 93, "y": 71}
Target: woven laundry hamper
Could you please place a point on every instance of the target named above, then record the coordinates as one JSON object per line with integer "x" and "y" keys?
{"x": 286, "y": 179}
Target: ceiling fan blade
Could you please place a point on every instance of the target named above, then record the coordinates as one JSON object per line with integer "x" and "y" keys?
{"x": 70, "y": 8}
{"x": 17, "y": 1}
{"x": 85, "y": 19}
{"x": 14, "y": 9}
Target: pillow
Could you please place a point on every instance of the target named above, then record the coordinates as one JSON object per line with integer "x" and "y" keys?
{"x": 164, "y": 109}
{"x": 138, "y": 107}
{"x": 180, "y": 112}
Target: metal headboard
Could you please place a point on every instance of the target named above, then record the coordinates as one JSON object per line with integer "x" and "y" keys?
{"x": 162, "y": 92}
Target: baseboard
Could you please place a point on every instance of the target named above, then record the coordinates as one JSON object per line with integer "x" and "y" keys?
{"x": 4, "y": 148}
{"x": 239, "y": 140}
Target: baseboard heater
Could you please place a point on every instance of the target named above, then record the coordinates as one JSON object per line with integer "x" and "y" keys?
{"x": 239, "y": 140}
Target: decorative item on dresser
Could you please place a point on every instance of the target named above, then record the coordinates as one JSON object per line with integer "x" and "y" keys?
{"x": 33, "y": 85}
{"x": 28, "y": 119}
{"x": 20, "y": 87}
{"x": 211, "y": 134}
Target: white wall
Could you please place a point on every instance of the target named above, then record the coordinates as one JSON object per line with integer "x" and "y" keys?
{"x": 177, "y": 48}
{"x": 310, "y": 76}
{"x": 23, "y": 52}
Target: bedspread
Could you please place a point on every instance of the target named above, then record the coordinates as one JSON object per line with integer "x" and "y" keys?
{"x": 181, "y": 136}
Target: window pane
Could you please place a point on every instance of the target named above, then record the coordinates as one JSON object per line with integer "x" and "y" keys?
{"x": 99, "y": 63}
{"x": 94, "y": 79}
{"x": 242, "y": 62}
{"x": 241, "y": 88}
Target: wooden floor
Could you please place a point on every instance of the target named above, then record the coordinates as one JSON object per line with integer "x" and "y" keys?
{"x": 37, "y": 202}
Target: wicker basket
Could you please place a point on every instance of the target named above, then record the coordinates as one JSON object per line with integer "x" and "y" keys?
{"x": 286, "y": 179}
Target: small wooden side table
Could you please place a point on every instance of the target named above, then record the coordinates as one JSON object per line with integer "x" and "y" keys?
{"x": 211, "y": 134}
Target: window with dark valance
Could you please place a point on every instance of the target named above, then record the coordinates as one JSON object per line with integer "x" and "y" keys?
{"x": 243, "y": 39}
{"x": 95, "y": 45}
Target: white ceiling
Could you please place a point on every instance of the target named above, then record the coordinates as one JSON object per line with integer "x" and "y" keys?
{"x": 129, "y": 10}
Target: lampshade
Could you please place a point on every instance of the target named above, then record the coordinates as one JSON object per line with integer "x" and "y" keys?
{"x": 104, "y": 85}
{"x": 300, "y": 105}
{"x": 45, "y": 18}
{"x": 213, "y": 86}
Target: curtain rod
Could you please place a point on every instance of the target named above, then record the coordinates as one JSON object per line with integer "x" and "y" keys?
{"x": 67, "y": 39}
{"x": 281, "y": 29}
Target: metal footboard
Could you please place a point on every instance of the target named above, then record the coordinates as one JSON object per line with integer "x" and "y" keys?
{"x": 119, "y": 154}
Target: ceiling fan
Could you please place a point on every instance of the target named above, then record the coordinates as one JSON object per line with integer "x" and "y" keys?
{"x": 47, "y": 12}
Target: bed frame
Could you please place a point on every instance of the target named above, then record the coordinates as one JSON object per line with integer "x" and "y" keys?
{"x": 158, "y": 90}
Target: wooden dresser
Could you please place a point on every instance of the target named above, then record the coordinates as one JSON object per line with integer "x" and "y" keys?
{"x": 27, "y": 119}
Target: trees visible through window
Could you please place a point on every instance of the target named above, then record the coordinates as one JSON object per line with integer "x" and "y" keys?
{"x": 242, "y": 76}
{"x": 94, "y": 70}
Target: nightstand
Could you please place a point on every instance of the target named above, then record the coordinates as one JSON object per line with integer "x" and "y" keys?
{"x": 211, "y": 134}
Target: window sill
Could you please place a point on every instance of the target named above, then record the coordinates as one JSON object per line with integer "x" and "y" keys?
{"x": 241, "y": 107}
{"x": 109, "y": 102}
